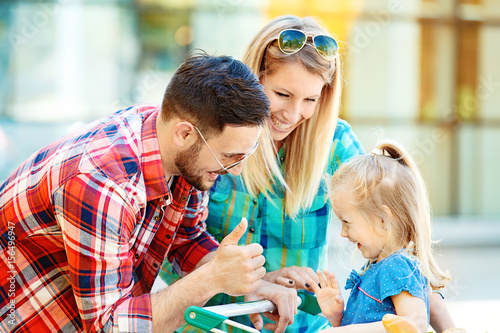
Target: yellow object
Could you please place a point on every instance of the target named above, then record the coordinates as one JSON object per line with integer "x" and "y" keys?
{"x": 455, "y": 330}
{"x": 396, "y": 324}
{"x": 337, "y": 15}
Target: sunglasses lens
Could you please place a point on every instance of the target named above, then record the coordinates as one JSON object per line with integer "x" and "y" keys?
{"x": 326, "y": 46}
{"x": 291, "y": 41}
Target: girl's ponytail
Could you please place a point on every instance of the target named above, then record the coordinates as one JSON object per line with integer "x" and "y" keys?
{"x": 421, "y": 242}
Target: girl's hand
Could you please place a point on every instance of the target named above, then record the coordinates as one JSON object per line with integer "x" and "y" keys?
{"x": 329, "y": 297}
{"x": 293, "y": 277}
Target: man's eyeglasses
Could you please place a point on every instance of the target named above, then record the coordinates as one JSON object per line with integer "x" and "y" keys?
{"x": 291, "y": 41}
{"x": 232, "y": 165}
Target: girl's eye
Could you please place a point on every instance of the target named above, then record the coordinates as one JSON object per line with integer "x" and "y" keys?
{"x": 281, "y": 94}
{"x": 310, "y": 100}
{"x": 344, "y": 221}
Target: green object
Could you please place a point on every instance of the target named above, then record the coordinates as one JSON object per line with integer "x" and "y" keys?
{"x": 201, "y": 318}
{"x": 309, "y": 303}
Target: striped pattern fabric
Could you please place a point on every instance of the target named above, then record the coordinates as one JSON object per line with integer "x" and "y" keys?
{"x": 286, "y": 242}
{"x": 85, "y": 225}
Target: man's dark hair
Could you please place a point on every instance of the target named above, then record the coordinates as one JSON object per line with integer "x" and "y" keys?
{"x": 214, "y": 91}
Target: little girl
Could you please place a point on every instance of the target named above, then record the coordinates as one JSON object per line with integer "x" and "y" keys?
{"x": 382, "y": 203}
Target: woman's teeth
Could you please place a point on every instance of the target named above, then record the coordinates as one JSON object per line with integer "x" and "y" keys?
{"x": 279, "y": 124}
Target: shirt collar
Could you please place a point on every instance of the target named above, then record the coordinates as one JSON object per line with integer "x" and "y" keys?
{"x": 152, "y": 166}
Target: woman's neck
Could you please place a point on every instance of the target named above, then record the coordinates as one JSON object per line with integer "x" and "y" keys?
{"x": 278, "y": 145}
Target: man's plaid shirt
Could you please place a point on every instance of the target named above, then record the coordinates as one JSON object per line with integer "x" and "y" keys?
{"x": 85, "y": 225}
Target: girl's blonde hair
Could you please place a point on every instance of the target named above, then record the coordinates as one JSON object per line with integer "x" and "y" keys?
{"x": 391, "y": 178}
{"x": 307, "y": 148}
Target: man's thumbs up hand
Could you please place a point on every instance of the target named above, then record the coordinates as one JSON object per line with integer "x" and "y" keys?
{"x": 234, "y": 237}
{"x": 237, "y": 270}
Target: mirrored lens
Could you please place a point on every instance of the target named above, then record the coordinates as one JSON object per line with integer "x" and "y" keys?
{"x": 291, "y": 41}
{"x": 326, "y": 46}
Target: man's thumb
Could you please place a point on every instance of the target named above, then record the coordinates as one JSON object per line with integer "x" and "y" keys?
{"x": 235, "y": 235}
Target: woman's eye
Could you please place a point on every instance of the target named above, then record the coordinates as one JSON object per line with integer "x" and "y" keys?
{"x": 281, "y": 94}
{"x": 310, "y": 100}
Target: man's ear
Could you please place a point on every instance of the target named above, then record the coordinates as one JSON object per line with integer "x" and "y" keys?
{"x": 183, "y": 134}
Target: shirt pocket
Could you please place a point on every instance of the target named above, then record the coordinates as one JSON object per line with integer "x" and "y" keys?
{"x": 219, "y": 200}
{"x": 228, "y": 204}
{"x": 309, "y": 229}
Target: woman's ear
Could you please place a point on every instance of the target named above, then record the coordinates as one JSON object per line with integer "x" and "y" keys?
{"x": 183, "y": 134}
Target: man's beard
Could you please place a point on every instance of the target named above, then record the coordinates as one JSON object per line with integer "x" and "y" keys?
{"x": 186, "y": 163}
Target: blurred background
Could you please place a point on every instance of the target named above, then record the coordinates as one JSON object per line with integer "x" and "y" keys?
{"x": 423, "y": 72}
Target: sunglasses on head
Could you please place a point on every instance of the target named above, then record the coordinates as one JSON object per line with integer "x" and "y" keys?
{"x": 291, "y": 41}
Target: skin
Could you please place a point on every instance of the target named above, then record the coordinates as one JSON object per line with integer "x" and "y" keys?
{"x": 440, "y": 317}
{"x": 228, "y": 146}
{"x": 293, "y": 92}
{"x": 371, "y": 236}
{"x": 232, "y": 269}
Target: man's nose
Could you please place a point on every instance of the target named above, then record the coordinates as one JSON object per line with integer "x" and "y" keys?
{"x": 236, "y": 170}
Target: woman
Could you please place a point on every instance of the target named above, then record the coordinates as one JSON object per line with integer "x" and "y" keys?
{"x": 288, "y": 211}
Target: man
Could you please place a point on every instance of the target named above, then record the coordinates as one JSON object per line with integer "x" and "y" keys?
{"x": 87, "y": 221}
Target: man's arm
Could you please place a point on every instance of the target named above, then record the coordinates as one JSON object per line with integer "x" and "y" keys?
{"x": 97, "y": 220}
{"x": 232, "y": 269}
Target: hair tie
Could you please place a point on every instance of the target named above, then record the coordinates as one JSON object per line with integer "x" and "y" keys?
{"x": 385, "y": 152}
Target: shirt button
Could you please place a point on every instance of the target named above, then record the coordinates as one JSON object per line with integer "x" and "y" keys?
{"x": 183, "y": 198}
{"x": 136, "y": 256}
{"x": 254, "y": 201}
{"x": 156, "y": 218}
{"x": 282, "y": 159}
{"x": 168, "y": 236}
{"x": 252, "y": 229}
{"x": 155, "y": 265}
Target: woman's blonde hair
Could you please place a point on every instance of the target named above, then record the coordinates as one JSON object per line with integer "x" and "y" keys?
{"x": 307, "y": 148}
{"x": 390, "y": 178}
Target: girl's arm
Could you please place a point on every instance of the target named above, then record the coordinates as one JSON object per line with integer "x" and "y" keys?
{"x": 440, "y": 317}
{"x": 411, "y": 309}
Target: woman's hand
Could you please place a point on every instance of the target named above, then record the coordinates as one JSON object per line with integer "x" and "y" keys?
{"x": 293, "y": 277}
{"x": 329, "y": 297}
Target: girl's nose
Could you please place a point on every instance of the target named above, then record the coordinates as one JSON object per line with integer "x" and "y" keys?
{"x": 343, "y": 231}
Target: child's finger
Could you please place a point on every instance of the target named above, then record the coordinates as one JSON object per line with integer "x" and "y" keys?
{"x": 322, "y": 280}
{"x": 332, "y": 280}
